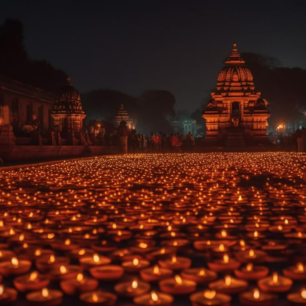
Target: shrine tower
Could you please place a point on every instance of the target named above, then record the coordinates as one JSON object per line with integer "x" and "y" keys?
{"x": 235, "y": 108}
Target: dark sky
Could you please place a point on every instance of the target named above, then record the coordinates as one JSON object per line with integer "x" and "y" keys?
{"x": 174, "y": 45}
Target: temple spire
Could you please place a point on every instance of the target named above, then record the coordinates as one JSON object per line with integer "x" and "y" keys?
{"x": 234, "y": 57}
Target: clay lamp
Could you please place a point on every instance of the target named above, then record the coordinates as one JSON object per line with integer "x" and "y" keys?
{"x": 120, "y": 235}
{"x": 66, "y": 245}
{"x": 79, "y": 284}
{"x": 105, "y": 246}
{"x": 135, "y": 265}
{"x": 163, "y": 253}
{"x": 279, "y": 229}
{"x": 255, "y": 235}
{"x": 143, "y": 247}
{"x": 132, "y": 288}
{"x": 251, "y": 272}
{"x": 80, "y": 253}
{"x": 177, "y": 285}
{"x": 154, "y": 298}
{"x": 46, "y": 263}
{"x": 257, "y": 298}
{"x": 6, "y": 255}
{"x": 31, "y": 282}
{"x": 98, "y": 298}
{"x": 225, "y": 235}
{"x": 154, "y": 274}
{"x": 123, "y": 255}
{"x": 275, "y": 283}
{"x": 297, "y": 272}
{"x": 14, "y": 267}
{"x": 175, "y": 263}
{"x": 64, "y": 272}
{"x": 228, "y": 285}
{"x": 34, "y": 253}
{"x": 7, "y": 295}
{"x": 45, "y": 297}
{"x": 210, "y": 298}
{"x": 223, "y": 265}
{"x": 178, "y": 244}
{"x": 107, "y": 272}
{"x": 199, "y": 275}
{"x": 251, "y": 255}
{"x": 220, "y": 249}
{"x": 94, "y": 261}
{"x": 297, "y": 298}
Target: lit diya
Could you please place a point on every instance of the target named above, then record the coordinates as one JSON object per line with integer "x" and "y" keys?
{"x": 107, "y": 272}
{"x": 79, "y": 253}
{"x": 199, "y": 275}
{"x": 64, "y": 272}
{"x": 154, "y": 274}
{"x": 275, "y": 283}
{"x": 45, "y": 297}
{"x": 165, "y": 252}
{"x": 297, "y": 298}
{"x": 177, "y": 285}
{"x": 135, "y": 265}
{"x": 297, "y": 272}
{"x": 251, "y": 255}
{"x": 154, "y": 298}
{"x": 132, "y": 288}
{"x": 210, "y": 298}
{"x": 98, "y": 298}
{"x": 6, "y": 255}
{"x": 31, "y": 282}
{"x": 223, "y": 265}
{"x": 66, "y": 245}
{"x": 175, "y": 263}
{"x": 94, "y": 261}
{"x": 78, "y": 284}
{"x": 46, "y": 263}
{"x": 7, "y": 295}
{"x": 14, "y": 267}
{"x": 251, "y": 272}
{"x": 228, "y": 285}
{"x": 257, "y": 298}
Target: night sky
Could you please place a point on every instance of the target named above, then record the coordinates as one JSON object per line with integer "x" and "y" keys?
{"x": 177, "y": 45}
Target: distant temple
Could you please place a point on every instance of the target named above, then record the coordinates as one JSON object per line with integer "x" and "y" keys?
{"x": 67, "y": 113}
{"x": 236, "y": 115}
{"x": 184, "y": 126}
{"x": 123, "y": 116}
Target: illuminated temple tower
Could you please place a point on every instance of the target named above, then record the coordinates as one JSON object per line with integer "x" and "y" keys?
{"x": 236, "y": 114}
{"x": 67, "y": 113}
{"x": 123, "y": 115}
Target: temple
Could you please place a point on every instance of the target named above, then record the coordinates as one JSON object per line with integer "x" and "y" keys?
{"x": 123, "y": 115}
{"x": 236, "y": 115}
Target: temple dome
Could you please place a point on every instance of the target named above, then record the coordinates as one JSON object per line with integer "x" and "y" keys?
{"x": 68, "y": 99}
{"x": 235, "y": 76}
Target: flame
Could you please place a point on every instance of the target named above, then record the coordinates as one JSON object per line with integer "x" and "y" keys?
{"x": 223, "y": 233}
{"x": 242, "y": 243}
{"x": 82, "y": 252}
{"x": 1, "y": 289}
{"x": 202, "y": 272}
{"x": 240, "y": 198}
{"x": 256, "y": 294}
{"x": 251, "y": 253}
{"x": 135, "y": 262}
{"x": 303, "y": 293}
{"x": 156, "y": 269}
{"x": 63, "y": 269}
{"x": 300, "y": 267}
{"x": 52, "y": 259}
{"x": 134, "y": 284}
{"x": 209, "y": 294}
{"x": 38, "y": 252}
{"x": 80, "y": 277}
{"x": 228, "y": 280}
{"x": 67, "y": 242}
{"x": 50, "y": 236}
{"x": 95, "y": 297}
{"x": 221, "y": 247}
{"x": 143, "y": 245}
{"x": 225, "y": 258}
{"x": 96, "y": 258}
{"x": 174, "y": 260}
{"x": 45, "y": 292}
{"x": 178, "y": 279}
{"x": 33, "y": 276}
{"x": 14, "y": 262}
{"x": 255, "y": 234}
{"x": 280, "y": 228}
{"x": 21, "y": 237}
{"x": 275, "y": 278}
{"x": 249, "y": 267}
{"x": 154, "y": 296}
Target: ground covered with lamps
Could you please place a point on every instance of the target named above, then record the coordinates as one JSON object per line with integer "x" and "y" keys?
{"x": 155, "y": 229}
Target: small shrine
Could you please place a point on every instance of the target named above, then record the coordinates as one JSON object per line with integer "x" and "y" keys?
{"x": 67, "y": 113}
{"x": 123, "y": 115}
{"x": 236, "y": 115}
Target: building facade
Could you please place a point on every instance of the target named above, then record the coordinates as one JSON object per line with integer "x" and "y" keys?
{"x": 235, "y": 105}
{"x": 19, "y": 101}
{"x": 123, "y": 115}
